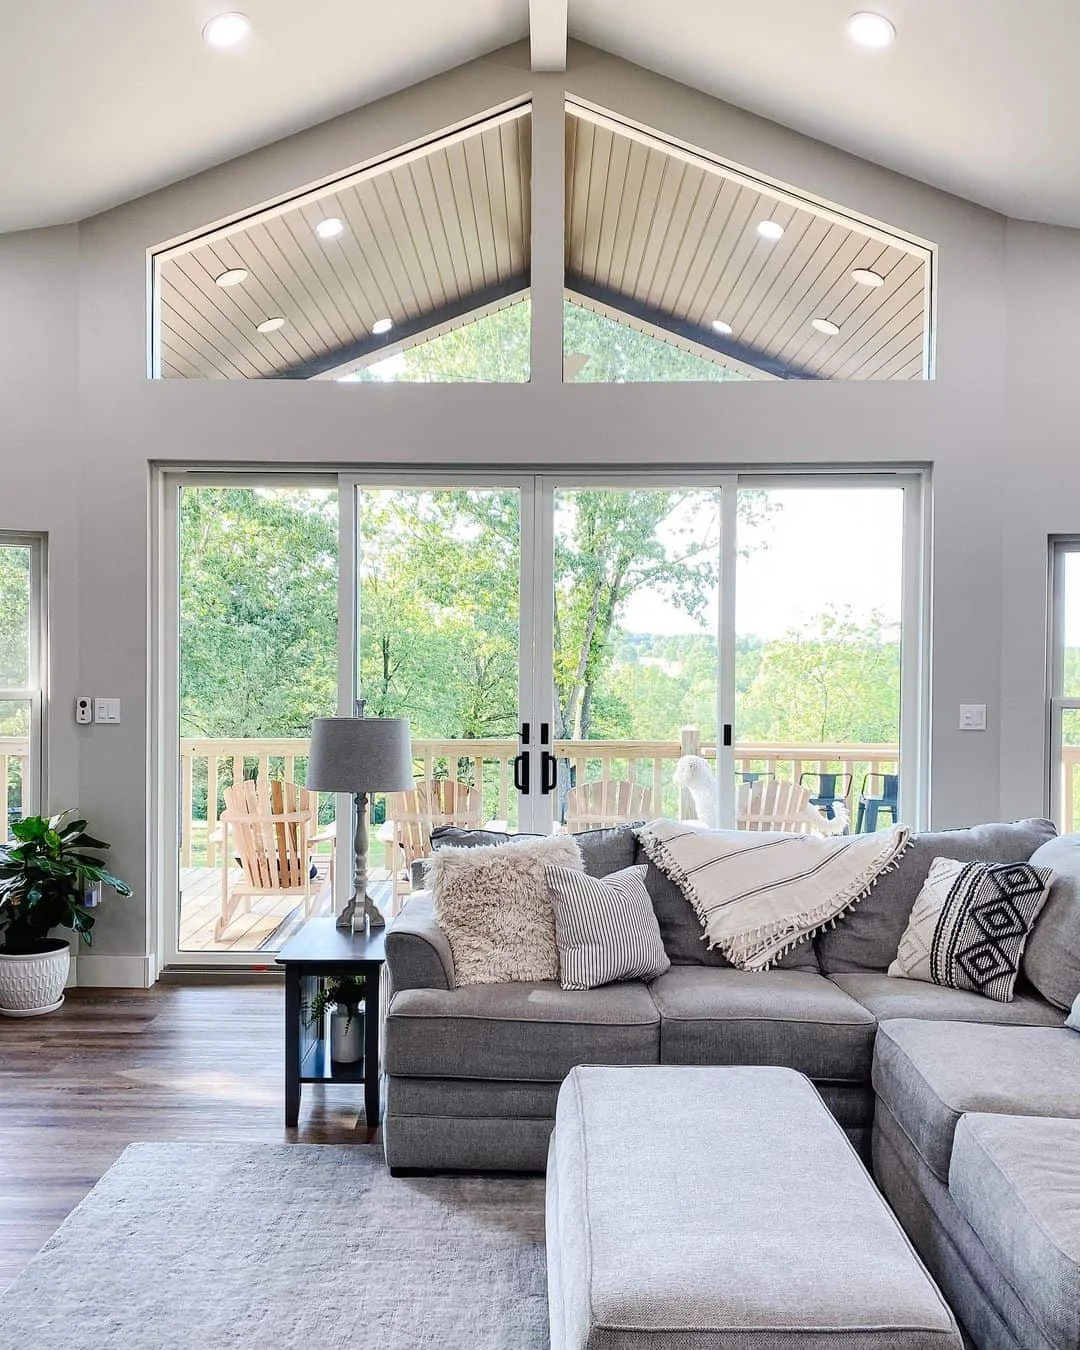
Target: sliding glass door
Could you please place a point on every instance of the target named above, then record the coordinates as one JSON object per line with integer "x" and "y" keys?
{"x": 557, "y": 642}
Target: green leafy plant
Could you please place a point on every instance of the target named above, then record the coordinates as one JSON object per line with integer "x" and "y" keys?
{"x": 343, "y": 991}
{"x": 43, "y": 880}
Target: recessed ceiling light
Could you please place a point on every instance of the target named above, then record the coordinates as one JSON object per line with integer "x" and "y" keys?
{"x": 226, "y": 30}
{"x": 382, "y": 325}
{"x": 329, "y": 228}
{"x": 769, "y": 229}
{"x": 721, "y": 327}
{"x": 270, "y": 325}
{"x": 233, "y": 277}
{"x": 870, "y": 30}
{"x": 826, "y": 326}
{"x": 865, "y": 277}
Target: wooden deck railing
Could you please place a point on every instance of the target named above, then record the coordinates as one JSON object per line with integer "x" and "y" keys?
{"x": 208, "y": 765}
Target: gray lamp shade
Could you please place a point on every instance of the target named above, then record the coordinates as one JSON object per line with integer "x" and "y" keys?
{"x": 360, "y": 754}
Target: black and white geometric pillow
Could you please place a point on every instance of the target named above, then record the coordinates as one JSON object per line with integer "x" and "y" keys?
{"x": 969, "y": 925}
{"x": 605, "y": 928}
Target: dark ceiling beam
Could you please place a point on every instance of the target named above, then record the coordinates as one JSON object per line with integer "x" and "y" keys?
{"x": 691, "y": 332}
{"x": 373, "y": 343}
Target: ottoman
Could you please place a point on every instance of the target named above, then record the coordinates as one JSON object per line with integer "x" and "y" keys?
{"x": 722, "y": 1209}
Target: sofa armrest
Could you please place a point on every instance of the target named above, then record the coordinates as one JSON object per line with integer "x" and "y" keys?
{"x": 418, "y": 954}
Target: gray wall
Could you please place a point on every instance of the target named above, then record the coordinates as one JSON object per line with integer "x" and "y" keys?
{"x": 80, "y": 425}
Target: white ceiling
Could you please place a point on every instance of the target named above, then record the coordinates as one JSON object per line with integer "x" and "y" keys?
{"x": 102, "y": 100}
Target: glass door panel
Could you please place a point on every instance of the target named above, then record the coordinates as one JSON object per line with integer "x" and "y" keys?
{"x": 818, "y": 605}
{"x": 258, "y": 659}
{"x": 440, "y": 621}
{"x": 635, "y": 647}
{"x": 20, "y": 697}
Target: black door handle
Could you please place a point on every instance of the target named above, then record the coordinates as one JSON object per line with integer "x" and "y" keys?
{"x": 521, "y": 772}
{"x": 549, "y": 772}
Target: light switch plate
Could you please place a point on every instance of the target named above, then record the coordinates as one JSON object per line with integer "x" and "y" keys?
{"x": 972, "y": 716}
{"x": 107, "y": 710}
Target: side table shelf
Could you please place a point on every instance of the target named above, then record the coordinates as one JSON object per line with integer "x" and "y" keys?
{"x": 318, "y": 951}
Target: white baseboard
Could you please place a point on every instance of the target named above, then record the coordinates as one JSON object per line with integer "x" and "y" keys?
{"x": 91, "y": 970}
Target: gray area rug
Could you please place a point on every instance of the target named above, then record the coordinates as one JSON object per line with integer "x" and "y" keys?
{"x": 282, "y": 1246}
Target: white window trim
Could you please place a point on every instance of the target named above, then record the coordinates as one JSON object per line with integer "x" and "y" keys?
{"x": 35, "y": 693}
{"x": 1057, "y": 704}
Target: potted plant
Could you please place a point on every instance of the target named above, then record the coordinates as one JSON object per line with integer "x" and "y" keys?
{"x": 345, "y": 995}
{"x": 50, "y": 878}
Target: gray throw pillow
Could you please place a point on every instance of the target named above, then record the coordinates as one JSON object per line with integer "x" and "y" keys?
{"x": 605, "y": 928}
{"x": 603, "y": 851}
{"x": 867, "y": 937}
{"x": 969, "y": 924}
{"x": 1052, "y": 955}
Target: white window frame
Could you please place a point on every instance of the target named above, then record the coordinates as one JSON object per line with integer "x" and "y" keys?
{"x": 35, "y": 693}
{"x": 1057, "y": 704}
{"x": 537, "y": 487}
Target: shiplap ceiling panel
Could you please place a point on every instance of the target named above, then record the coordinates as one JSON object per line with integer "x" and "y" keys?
{"x": 424, "y": 236}
{"x": 674, "y": 236}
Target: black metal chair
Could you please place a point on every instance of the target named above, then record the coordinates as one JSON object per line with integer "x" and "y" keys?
{"x": 827, "y": 790}
{"x": 880, "y": 792}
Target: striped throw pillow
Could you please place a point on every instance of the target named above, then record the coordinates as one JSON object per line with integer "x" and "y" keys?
{"x": 605, "y": 928}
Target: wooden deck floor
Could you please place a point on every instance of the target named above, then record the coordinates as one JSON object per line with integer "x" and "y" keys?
{"x": 273, "y": 918}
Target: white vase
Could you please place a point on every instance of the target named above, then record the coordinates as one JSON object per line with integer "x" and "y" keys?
{"x": 32, "y": 984}
{"x": 346, "y": 1047}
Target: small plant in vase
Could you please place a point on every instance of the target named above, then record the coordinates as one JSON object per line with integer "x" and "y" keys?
{"x": 344, "y": 994}
{"x": 49, "y": 878}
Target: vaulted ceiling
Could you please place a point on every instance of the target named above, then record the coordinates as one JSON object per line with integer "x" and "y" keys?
{"x": 103, "y": 102}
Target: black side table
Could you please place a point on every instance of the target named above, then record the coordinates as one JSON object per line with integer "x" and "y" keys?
{"x": 320, "y": 949}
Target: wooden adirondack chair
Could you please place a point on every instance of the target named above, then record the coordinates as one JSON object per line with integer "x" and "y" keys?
{"x": 595, "y": 806}
{"x": 272, "y": 828}
{"x": 430, "y": 802}
{"x": 782, "y": 806}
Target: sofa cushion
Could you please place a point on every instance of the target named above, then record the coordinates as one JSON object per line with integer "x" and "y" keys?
{"x": 867, "y": 937}
{"x": 930, "y": 1073}
{"x": 1016, "y": 1181}
{"x": 524, "y": 1032}
{"x": 683, "y": 935}
{"x": 1052, "y": 955}
{"x": 602, "y": 851}
{"x": 887, "y": 998}
{"x": 794, "y": 1019}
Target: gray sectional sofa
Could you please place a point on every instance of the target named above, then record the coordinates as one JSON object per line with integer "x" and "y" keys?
{"x": 944, "y": 1083}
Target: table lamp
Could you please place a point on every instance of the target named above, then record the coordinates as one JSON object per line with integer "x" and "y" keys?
{"x": 360, "y": 755}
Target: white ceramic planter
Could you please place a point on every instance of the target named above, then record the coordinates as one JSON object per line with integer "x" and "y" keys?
{"x": 346, "y": 1047}
{"x": 34, "y": 984}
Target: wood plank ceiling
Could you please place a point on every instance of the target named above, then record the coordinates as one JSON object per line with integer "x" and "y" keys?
{"x": 427, "y": 239}
{"x": 674, "y": 239}
{"x": 656, "y": 236}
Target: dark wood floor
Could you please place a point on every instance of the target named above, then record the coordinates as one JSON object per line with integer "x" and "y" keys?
{"x": 177, "y": 1062}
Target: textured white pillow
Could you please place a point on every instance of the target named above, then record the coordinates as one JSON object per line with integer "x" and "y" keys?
{"x": 494, "y": 905}
{"x": 605, "y": 928}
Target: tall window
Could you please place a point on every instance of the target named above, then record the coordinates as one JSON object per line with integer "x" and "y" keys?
{"x": 21, "y": 676}
{"x": 1065, "y": 684}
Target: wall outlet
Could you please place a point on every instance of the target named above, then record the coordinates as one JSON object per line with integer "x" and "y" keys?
{"x": 107, "y": 710}
{"x": 84, "y": 710}
{"x": 972, "y": 716}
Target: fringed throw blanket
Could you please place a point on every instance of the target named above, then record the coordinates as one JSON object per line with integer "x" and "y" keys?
{"x": 759, "y": 895}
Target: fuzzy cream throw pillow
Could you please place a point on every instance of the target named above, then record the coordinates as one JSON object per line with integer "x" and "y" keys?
{"x": 494, "y": 905}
